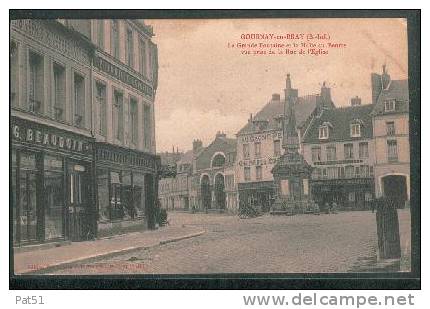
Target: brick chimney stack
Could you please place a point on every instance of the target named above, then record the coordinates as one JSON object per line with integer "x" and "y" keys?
{"x": 356, "y": 101}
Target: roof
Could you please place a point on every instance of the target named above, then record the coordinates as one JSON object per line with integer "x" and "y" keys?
{"x": 398, "y": 90}
{"x": 219, "y": 144}
{"x": 303, "y": 109}
{"x": 186, "y": 158}
{"x": 341, "y": 118}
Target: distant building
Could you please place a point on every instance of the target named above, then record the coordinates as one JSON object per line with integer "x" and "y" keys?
{"x": 259, "y": 144}
{"x": 339, "y": 146}
{"x": 391, "y": 134}
{"x": 213, "y": 184}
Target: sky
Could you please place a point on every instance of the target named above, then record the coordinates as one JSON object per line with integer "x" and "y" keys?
{"x": 205, "y": 87}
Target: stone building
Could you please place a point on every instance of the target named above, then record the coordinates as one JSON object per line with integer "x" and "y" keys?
{"x": 83, "y": 141}
{"x": 391, "y": 135}
{"x": 52, "y": 162}
{"x": 339, "y": 146}
{"x": 213, "y": 184}
{"x": 259, "y": 144}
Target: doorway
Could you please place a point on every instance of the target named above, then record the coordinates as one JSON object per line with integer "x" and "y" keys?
{"x": 219, "y": 191}
{"x": 395, "y": 189}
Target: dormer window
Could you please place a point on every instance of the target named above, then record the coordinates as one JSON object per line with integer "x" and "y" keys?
{"x": 390, "y": 105}
{"x": 324, "y": 130}
{"x": 323, "y": 133}
{"x": 355, "y": 130}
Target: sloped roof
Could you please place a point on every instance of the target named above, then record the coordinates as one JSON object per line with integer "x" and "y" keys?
{"x": 303, "y": 109}
{"x": 398, "y": 90}
{"x": 341, "y": 118}
{"x": 219, "y": 144}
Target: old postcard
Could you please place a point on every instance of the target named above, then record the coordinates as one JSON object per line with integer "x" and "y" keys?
{"x": 210, "y": 146}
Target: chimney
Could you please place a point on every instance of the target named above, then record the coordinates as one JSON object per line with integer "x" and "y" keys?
{"x": 220, "y": 134}
{"x": 276, "y": 97}
{"x": 250, "y": 118}
{"x": 356, "y": 101}
{"x": 376, "y": 81}
{"x": 197, "y": 145}
{"x": 385, "y": 77}
{"x": 325, "y": 93}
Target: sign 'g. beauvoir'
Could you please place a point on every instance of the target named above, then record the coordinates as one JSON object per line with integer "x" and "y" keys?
{"x": 48, "y": 137}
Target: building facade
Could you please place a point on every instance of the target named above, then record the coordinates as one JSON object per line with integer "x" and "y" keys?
{"x": 213, "y": 183}
{"x": 391, "y": 134}
{"x": 259, "y": 145}
{"x": 82, "y": 117}
{"x": 52, "y": 161}
{"x": 339, "y": 146}
{"x": 124, "y": 86}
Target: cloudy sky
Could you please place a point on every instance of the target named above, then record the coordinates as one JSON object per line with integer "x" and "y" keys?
{"x": 205, "y": 87}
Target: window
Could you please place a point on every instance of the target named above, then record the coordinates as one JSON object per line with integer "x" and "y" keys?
{"x": 392, "y": 150}
{"x": 324, "y": 173}
{"x": 257, "y": 149}
{"x": 316, "y": 154}
{"x": 129, "y": 48}
{"x": 101, "y": 33}
{"x": 331, "y": 153}
{"x": 147, "y": 131}
{"x": 101, "y": 103}
{"x": 118, "y": 115}
{"x": 258, "y": 172}
{"x": 355, "y": 130}
{"x": 391, "y": 130}
{"x": 323, "y": 132}
{"x": 348, "y": 150}
{"x": 142, "y": 58}
{"x": 351, "y": 196}
{"x": 349, "y": 171}
{"x": 115, "y": 39}
{"x": 79, "y": 99}
{"x": 317, "y": 173}
{"x": 36, "y": 83}
{"x": 133, "y": 120}
{"x": 14, "y": 73}
{"x": 246, "y": 151}
{"x": 277, "y": 148}
{"x": 341, "y": 172}
{"x": 59, "y": 91}
{"x": 247, "y": 173}
{"x": 390, "y": 105}
{"x": 332, "y": 172}
{"x": 363, "y": 150}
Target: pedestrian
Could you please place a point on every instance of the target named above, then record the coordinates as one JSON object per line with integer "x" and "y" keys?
{"x": 372, "y": 204}
{"x": 316, "y": 209}
{"x": 327, "y": 207}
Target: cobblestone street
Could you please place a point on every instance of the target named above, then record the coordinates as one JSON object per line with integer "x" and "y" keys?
{"x": 340, "y": 242}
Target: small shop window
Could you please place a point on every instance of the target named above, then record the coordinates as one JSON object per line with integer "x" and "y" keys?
{"x": 54, "y": 196}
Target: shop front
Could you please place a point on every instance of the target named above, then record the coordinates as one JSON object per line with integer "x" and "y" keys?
{"x": 348, "y": 194}
{"x": 126, "y": 189}
{"x": 259, "y": 195}
{"x": 51, "y": 185}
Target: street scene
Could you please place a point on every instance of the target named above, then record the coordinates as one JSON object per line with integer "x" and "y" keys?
{"x": 209, "y": 146}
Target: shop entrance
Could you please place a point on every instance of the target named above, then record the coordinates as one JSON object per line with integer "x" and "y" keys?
{"x": 395, "y": 189}
{"x": 219, "y": 191}
{"x": 79, "y": 217}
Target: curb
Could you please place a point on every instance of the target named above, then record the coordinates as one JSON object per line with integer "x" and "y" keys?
{"x": 95, "y": 257}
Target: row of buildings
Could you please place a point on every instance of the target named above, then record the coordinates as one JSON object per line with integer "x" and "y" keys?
{"x": 356, "y": 153}
{"x": 83, "y": 161}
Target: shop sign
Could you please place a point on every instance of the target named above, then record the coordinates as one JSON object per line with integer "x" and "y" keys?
{"x": 123, "y": 76}
{"x": 258, "y": 162}
{"x": 40, "y": 31}
{"x": 49, "y": 138}
{"x": 261, "y": 137}
{"x": 125, "y": 158}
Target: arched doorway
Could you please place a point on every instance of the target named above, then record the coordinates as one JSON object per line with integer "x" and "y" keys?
{"x": 219, "y": 191}
{"x": 395, "y": 189}
{"x": 205, "y": 188}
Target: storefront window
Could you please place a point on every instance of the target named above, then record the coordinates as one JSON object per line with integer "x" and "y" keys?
{"x": 54, "y": 197}
{"x": 127, "y": 196}
{"x": 139, "y": 194}
{"x": 117, "y": 211}
{"x": 13, "y": 193}
{"x": 27, "y": 196}
{"x": 103, "y": 194}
